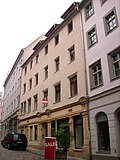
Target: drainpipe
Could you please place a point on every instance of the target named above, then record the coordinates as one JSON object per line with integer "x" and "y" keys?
{"x": 87, "y": 96}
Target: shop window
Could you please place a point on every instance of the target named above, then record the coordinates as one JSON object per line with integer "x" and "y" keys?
{"x": 78, "y": 132}
{"x": 35, "y": 132}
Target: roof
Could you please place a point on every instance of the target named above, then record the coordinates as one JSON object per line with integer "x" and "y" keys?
{"x": 70, "y": 9}
{"x": 50, "y": 31}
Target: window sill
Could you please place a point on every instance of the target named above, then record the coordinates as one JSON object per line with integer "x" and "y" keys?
{"x": 56, "y": 102}
{"x": 78, "y": 150}
{"x": 104, "y": 152}
{"x": 95, "y": 87}
{"x": 73, "y": 96}
{"x": 114, "y": 78}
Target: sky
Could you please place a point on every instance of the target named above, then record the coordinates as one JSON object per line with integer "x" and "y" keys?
{"x": 22, "y": 22}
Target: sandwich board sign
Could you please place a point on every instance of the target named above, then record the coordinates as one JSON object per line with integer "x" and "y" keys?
{"x": 50, "y": 146}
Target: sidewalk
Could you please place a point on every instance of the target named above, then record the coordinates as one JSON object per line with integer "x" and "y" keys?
{"x": 41, "y": 153}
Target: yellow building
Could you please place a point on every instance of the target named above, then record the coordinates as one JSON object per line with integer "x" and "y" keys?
{"x": 55, "y": 72}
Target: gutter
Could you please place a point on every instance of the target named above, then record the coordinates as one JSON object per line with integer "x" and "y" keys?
{"x": 85, "y": 70}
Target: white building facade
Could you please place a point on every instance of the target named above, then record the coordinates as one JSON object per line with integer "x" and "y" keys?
{"x": 101, "y": 29}
{"x": 12, "y": 87}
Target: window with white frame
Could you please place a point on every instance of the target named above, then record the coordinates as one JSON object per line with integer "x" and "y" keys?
{"x": 92, "y": 37}
{"x": 114, "y": 63}
{"x": 95, "y": 74}
{"x": 89, "y": 9}
{"x": 110, "y": 21}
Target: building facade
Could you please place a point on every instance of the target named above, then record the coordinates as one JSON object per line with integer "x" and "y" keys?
{"x": 12, "y": 87}
{"x": 101, "y": 29}
{"x": 53, "y": 90}
{"x": 0, "y": 112}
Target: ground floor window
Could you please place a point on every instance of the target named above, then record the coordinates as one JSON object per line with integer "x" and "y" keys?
{"x": 78, "y": 132}
{"x": 35, "y": 132}
{"x": 103, "y": 132}
{"x": 31, "y": 132}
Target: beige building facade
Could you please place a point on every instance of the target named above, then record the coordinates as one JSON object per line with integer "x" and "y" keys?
{"x": 54, "y": 73}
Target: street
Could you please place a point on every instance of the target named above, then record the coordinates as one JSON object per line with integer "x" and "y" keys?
{"x": 6, "y": 154}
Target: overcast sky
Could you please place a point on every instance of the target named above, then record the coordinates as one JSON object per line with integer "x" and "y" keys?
{"x": 23, "y": 21}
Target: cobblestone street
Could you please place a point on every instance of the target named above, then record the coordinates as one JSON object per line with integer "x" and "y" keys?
{"x": 6, "y": 154}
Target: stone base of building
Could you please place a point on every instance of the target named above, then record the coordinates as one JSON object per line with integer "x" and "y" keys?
{"x": 99, "y": 157}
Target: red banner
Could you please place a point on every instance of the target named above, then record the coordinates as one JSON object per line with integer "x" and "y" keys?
{"x": 50, "y": 145}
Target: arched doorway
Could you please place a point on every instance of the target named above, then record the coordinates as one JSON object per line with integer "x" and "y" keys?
{"x": 103, "y": 132}
{"x": 117, "y": 129}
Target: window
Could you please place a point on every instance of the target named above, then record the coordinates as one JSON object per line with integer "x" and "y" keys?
{"x": 56, "y": 39}
{"x": 57, "y": 93}
{"x": 103, "y": 1}
{"x": 31, "y": 133}
{"x": 31, "y": 63}
{"x": 30, "y": 84}
{"x": 46, "y": 98}
{"x": 25, "y": 70}
{"x": 72, "y": 53}
{"x": 114, "y": 64}
{"x": 35, "y": 102}
{"x": 78, "y": 132}
{"x": 46, "y": 72}
{"x": 36, "y": 79}
{"x": 96, "y": 74}
{"x": 70, "y": 27}
{"x": 37, "y": 58}
{"x": 89, "y": 10}
{"x": 92, "y": 37}
{"x": 24, "y": 88}
{"x": 73, "y": 86}
{"x": 29, "y": 105}
{"x": 24, "y": 110}
{"x": 35, "y": 132}
{"x": 103, "y": 132}
{"x": 110, "y": 21}
{"x": 46, "y": 49}
{"x": 57, "y": 64}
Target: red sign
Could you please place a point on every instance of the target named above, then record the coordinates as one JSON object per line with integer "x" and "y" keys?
{"x": 49, "y": 152}
{"x": 45, "y": 100}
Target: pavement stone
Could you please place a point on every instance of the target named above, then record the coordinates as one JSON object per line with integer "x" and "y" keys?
{"x": 41, "y": 154}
